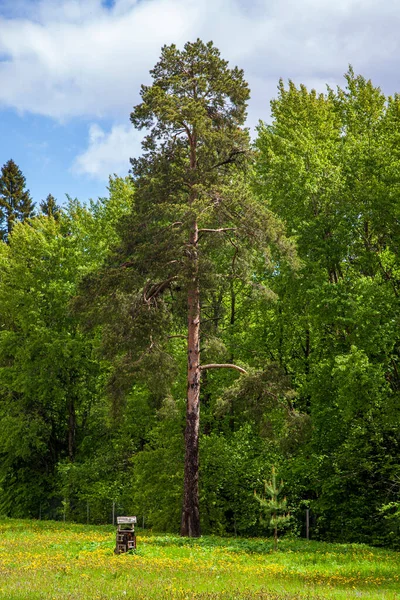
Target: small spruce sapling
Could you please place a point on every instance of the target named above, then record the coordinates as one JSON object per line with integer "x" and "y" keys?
{"x": 274, "y": 509}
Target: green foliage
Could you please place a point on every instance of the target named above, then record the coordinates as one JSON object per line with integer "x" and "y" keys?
{"x": 156, "y": 484}
{"x": 93, "y": 303}
{"x": 328, "y": 165}
{"x": 15, "y": 201}
{"x": 49, "y": 207}
{"x": 273, "y": 507}
{"x": 391, "y": 530}
{"x": 50, "y": 378}
{"x": 231, "y": 466}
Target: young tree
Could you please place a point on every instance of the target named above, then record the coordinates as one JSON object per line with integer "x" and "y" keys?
{"x": 195, "y": 227}
{"x": 15, "y": 201}
{"x": 273, "y": 507}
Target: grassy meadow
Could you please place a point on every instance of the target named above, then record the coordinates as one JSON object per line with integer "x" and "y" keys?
{"x": 46, "y": 560}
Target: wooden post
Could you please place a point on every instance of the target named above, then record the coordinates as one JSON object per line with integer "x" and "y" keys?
{"x": 308, "y": 523}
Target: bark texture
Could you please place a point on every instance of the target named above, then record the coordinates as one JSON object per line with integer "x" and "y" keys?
{"x": 190, "y": 525}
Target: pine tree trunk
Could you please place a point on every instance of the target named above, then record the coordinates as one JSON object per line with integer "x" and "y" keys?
{"x": 190, "y": 525}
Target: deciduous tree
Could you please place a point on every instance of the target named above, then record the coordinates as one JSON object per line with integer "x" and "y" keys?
{"x": 328, "y": 164}
{"x": 49, "y": 375}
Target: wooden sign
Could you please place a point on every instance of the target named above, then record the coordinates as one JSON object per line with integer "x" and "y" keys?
{"x": 122, "y": 520}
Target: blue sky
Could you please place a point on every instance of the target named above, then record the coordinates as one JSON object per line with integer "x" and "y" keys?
{"x": 70, "y": 70}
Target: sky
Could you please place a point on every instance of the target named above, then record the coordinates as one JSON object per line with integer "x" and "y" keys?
{"x": 71, "y": 70}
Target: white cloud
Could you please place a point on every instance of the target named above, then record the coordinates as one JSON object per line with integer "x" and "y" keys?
{"x": 108, "y": 152}
{"x": 81, "y": 59}
{"x": 78, "y": 58}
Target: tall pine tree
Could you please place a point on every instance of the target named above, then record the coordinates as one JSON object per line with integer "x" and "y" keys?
{"x": 194, "y": 229}
{"x": 15, "y": 201}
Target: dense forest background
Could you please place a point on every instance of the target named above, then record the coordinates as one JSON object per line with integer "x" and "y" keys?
{"x": 90, "y": 417}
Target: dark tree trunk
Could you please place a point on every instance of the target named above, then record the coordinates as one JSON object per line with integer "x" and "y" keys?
{"x": 71, "y": 429}
{"x": 190, "y": 525}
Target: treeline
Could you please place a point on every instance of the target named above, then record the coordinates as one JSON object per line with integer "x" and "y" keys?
{"x": 297, "y": 272}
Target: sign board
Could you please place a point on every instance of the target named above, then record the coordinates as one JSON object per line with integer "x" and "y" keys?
{"x": 122, "y": 520}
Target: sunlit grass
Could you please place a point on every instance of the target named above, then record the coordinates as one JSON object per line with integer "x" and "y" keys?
{"x": 42, "y": 559}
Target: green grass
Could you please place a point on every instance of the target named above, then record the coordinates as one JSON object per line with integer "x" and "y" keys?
{"x": 45, "y": 560}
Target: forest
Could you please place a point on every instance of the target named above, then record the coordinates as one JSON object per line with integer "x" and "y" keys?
{"x": 275, "y": 258}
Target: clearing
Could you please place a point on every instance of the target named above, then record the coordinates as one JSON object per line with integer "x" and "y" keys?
{"x": 53, "y": 560}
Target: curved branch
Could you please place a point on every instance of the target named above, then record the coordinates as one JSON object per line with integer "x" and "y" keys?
{"x": 223, "y": 366}
{"x": 218, "y": 230}
{"x": 231, "y": 158}
{"x": 153, "y": 290}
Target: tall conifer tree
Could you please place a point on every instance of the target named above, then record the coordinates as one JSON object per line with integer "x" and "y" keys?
{"x": 194, "y": 230}
{"x": 15, "y": 201}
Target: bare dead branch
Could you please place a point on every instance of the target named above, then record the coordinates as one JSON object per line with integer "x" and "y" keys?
{"x": 231, "y": 158}
{"x": 218, "y": 230}
{"x": 152, "y": 291}
{"x": 209, "y": 319}
{"x": 223, "y": 366}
